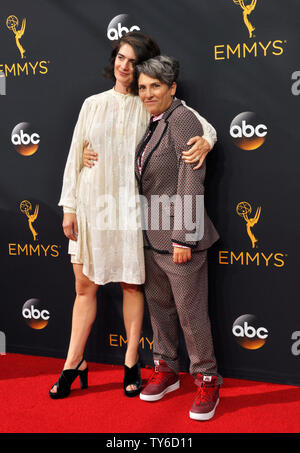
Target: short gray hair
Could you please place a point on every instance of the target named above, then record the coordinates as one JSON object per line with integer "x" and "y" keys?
{"x": 163, "y": 68}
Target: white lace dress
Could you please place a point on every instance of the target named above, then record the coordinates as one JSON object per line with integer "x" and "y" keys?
{"x": 105, "y": 197}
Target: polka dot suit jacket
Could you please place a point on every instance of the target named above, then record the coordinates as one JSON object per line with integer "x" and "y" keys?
{"x": 171, "y": 192}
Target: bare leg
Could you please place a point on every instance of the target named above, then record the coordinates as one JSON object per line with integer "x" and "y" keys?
{"x": 84, "y": 314}
{"x": 133, "y": 312}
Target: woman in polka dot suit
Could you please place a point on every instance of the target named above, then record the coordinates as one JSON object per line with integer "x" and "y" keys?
{"x": 175, "y": 252}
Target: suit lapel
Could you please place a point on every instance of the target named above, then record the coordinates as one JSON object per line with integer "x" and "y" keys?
{"x": 156, "y": 137}
{"x": 154, "y": 141}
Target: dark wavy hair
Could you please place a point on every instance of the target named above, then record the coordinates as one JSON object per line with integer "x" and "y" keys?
{"x": 144, "y": 48}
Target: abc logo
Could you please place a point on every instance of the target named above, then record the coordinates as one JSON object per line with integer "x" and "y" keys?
{"x": 118, "y": 26}
{"x": 35, "y": 316}
{"x": 247, "y": 334}
{"x": 247, "y": 131}
{"x": 25, "y": 140}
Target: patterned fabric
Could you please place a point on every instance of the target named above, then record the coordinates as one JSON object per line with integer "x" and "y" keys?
{"x": 110, "y": 242}
{"x": 177, "y": 293}
{"x": 140, "y": 157}
{"x": 152, "y": 126}
{"x": 165, "y": 176}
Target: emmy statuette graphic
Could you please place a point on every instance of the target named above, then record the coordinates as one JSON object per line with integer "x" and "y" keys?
{"x": 12, "y": 23}
{"x": 243, "y": 209}
{"x": 25, "y": 207}
{"x": 247, "y": 10}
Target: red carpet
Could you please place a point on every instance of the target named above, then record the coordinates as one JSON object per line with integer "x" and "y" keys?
{"x": 245, "y": 406}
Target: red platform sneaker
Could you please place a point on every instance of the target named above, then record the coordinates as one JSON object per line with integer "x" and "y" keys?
{"x": 207, "y": 397}
{"x": 162, "y": 381}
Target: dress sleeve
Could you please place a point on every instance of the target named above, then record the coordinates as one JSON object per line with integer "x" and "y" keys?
{"x": 209, "y": 132}
{"x": 74, "y": 162}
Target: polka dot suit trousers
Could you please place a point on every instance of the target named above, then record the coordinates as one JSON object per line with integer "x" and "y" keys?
{"x": 179, "y": 293}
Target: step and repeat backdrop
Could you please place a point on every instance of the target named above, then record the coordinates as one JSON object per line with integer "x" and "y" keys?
{"x": 240, "y": 68}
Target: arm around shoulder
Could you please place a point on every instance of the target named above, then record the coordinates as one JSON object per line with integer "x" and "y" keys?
{"x": 209, "y": 132}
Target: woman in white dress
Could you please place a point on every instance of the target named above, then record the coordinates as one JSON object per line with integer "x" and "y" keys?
{"x": 106, "y": 243}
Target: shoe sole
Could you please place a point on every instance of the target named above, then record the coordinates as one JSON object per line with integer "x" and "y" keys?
{"x": 207, "y": 416}
{"x": 159, "y": 396}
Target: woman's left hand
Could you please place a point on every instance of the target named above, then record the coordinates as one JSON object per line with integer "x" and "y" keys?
{"x": 181, "y": 255}
{"x": 88, "y": 155}
{"x": 198, "y": 152}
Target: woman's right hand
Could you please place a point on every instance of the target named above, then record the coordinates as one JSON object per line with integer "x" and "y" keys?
{"x": 88, "y": 156}
{"x": 181, "y": 255}
{"x": 70, "y": 226}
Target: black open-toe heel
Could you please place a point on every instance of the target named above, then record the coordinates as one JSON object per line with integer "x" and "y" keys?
{"x": 132, "y": 376}
{"x": 66, "y": 379}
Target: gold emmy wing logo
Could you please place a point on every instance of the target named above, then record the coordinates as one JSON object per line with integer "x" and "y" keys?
{"x": 12, "y": 23}
{"x": 243, "y": 209}
{"x": 25, "y": 208}
{"x": 247, "y": 10}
